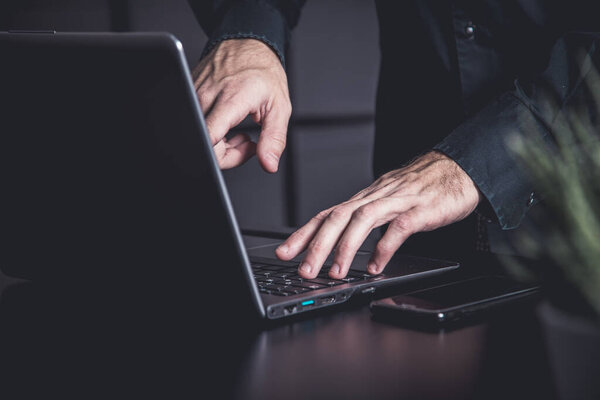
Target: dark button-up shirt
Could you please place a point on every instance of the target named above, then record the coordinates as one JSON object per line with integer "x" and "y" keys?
{"x": 456, "y": 76}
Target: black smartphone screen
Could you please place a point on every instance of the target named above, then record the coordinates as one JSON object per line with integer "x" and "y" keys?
{"x": 455, "y": 300}
{"x": 464, "y": 292}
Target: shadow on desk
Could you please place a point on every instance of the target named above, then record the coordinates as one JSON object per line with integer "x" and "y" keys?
{"x": 66, "y": 342}
{"x": 82, "y": 342}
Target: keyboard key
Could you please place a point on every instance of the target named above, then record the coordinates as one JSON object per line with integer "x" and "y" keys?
{"x": 272, "y": 267}
{"x": 359, "y": 274}
{"x": 293, "y": 290}
{"x": 327, "y": 282}
{"x": 280, "y": 281}
{"x": 264, "y": 285}
{"x": 296, "y": 290}
{"x": 281, "y": 293}
{"x": 281, "y": 288}
{"x": 308, "y": 285}
{"x": 282, "y": 274}
{"x": 276, "y": 286}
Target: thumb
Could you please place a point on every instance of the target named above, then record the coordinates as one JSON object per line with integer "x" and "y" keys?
{"x": 272, "y": 140}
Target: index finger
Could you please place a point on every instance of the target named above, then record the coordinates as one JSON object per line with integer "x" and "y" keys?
{"x": 298, "y": 240}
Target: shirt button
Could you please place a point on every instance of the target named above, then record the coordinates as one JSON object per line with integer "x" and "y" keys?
{"x": 470, "y": 30}
{"x": 531, "y": 199}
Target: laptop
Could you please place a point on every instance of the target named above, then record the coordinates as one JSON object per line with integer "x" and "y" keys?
{"x": 107, "y": 173}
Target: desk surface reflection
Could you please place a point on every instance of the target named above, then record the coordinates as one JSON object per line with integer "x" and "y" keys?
{"x": 77, "y": 343}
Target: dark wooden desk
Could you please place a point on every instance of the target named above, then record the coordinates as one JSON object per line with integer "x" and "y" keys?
{"x": 53, "y": 343}
{"x": 348, "y": 355}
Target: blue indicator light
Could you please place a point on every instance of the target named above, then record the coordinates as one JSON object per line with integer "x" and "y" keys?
{"x": 308, "y": 302}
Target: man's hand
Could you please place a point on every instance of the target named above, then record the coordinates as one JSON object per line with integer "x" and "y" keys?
{"x": 242, "y": 77}
{"x": 431, "y": 192}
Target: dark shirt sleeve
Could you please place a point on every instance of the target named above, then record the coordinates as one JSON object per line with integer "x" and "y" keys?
{"x": 480, "y": 145}
{"x": 269, "y": 21}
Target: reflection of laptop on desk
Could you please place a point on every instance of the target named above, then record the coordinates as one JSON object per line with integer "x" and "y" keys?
{"x": 106, "y": 169}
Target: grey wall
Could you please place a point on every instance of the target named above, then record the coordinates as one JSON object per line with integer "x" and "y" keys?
{"x": 332, "y": 69}
{"x": 334, "y": 63}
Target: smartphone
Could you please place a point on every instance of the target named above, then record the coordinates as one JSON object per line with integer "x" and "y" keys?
{"x": 456, "y": 301}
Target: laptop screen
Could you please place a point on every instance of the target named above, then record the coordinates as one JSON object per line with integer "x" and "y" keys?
{"x": 103, "y": 162}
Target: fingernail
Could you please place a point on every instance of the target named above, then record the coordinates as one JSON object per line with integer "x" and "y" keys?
{"x": 335, "y": 268}
{"x": 284, "y": 248}
{"x": 304, "y": 267}
{"x": 372, "y": 268}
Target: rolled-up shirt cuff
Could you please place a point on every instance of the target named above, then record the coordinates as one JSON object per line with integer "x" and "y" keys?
{"x": 480, "y": 147}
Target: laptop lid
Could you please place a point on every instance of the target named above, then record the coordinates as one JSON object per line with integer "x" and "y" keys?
{"x": 106, "y": 173}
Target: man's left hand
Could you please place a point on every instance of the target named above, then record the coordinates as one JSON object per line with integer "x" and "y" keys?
{"x": 431, "y": 192}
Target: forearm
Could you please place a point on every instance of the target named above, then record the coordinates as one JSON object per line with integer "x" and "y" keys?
{"x": 481, "y": 144}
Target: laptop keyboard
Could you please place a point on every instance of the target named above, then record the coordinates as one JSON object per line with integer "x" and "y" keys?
{"x": 285, "y": 281}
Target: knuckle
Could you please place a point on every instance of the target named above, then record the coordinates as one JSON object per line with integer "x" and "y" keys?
{"x": 339, "y": 214}
{"x": 387, "y": 176}
{"x": 279, "y": 141}
{"x": 402, "y": 224}
{"x": 411, "y": 176}
{"x": 412, "y": 189}
{"x": 321, "y": 215}
{"x": 296, "y": 236}
{"x": 234, "y": 100}
{"x": 203, "y": 95}
{"x": 211, "y": 126}
{"x": 262, "y": 84}
{"x": 365, "y": 213}
{"x": 256, "y": 85}
{"x": 235, "y": 94}
{"x": 344, "y": 247}
{"x": 385, "y": 248}
{"x": 316, "y": 246}
{"x": 378, "y": 180}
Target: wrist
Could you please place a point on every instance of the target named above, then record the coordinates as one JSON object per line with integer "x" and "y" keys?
{"x": 456, "y": 174}
{"x": 252, "y": 50}
{"x": 233, "y": 42}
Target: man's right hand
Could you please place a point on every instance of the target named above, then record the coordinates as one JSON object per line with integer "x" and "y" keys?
{"x": 242, "y": 77}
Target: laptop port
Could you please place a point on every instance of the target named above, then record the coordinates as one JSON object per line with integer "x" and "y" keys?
{"x": 307, "y": 303}
{"x": 290, "y": 309}
{"x": 327, "y": 300}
